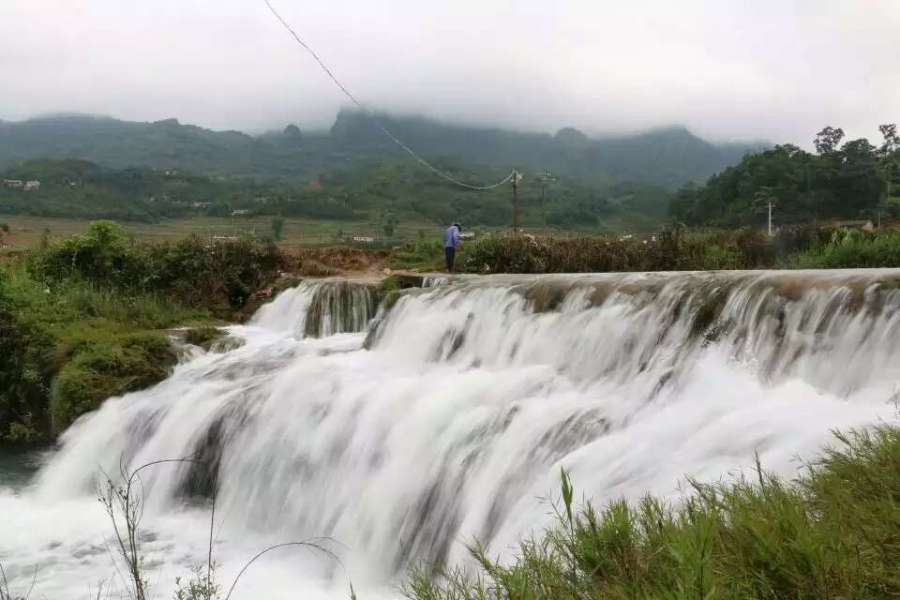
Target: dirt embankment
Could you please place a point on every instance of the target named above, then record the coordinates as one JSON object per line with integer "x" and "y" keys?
{"x": 335, "y": 261}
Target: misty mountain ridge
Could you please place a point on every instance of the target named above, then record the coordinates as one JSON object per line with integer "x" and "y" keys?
{"x": 667, "y": 156}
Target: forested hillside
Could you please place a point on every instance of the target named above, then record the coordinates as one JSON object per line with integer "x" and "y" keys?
{"x": 667, "y": 157}
{"x": 841, "y": 180}
{"x": 381, "y": 191}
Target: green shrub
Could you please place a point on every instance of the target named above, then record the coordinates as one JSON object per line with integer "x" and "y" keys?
{"x": 96, "y": 371}
{"x": 853, "y": 249}
{"x": 421, "y": 255}
{"x": 196, "y": 271}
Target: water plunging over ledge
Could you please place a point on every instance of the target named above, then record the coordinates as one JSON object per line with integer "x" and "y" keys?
{"x": 450, "y": 422}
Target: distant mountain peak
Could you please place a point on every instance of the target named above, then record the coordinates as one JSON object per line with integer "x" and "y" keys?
{"x": 569, "y": 136}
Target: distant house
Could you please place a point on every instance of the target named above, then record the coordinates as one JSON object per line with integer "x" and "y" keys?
{"x": 31, "y": 185}
{"x": 200, "y": 205}
{"x": 13, "y": 183}
{"x": 364, "y": 239}
{"x": 467, "y": 235}
{"x": 314, "y": 186}
{"x": 240, "y": 212}
{"x": 862, "y": 224}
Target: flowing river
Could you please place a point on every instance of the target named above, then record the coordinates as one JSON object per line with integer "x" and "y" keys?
{"x": 403, "y": 434}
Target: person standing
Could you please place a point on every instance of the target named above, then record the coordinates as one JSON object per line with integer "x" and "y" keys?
{"x": 451, "y": 244}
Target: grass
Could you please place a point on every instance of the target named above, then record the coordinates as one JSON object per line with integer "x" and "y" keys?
{"x": 70, "y": 345}
{"x": 675, "y": 249}
{"x": 81, "y": 318}
{"x": 852, "y": 250}
{"x": 832, "y": 533}
{"x": 26, "y": 231}
{"x": 421, "y": 255}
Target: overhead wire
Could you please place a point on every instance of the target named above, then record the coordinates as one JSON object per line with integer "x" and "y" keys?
{"x": 377, "y": 121}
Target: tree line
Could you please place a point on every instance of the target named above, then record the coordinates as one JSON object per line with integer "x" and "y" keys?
{"x": 841, "y": 179}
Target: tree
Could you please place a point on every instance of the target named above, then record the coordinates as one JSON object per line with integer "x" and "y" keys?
{"x": 828, "y": 140}
{"x": 390, "y": 225}
{"x": 277, "y": 226}
{"x": 4, "y": 231}
{"x": 890, "y": 161}
{"x": 891, "y": 146}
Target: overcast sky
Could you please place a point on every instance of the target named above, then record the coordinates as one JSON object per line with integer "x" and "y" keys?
{"x": 727, "y": 69}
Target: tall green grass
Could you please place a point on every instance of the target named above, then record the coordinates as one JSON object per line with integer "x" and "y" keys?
{"x": 81, "y": 318}
{"x": 67, "y": 345}
{"x": 832, "y": 533}
{"x": 852, "y": 249}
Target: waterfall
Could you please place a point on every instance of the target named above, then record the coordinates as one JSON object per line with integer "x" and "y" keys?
{"x": 340, "y": 307}
{"x": 320, "y": 309}
{"x": 450, "y": 423}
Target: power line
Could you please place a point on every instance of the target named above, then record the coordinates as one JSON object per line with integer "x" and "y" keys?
{"x": 369, "y": 114}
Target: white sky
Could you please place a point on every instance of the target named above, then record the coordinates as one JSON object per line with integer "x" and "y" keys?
{"x": 728, "y": 69}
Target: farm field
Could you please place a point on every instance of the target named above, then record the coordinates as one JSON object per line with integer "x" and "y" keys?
{"x": 26, "y": 231}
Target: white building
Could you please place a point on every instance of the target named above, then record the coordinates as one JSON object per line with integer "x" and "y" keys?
{"x": 31, "y": 185}
{"x": 13, "y": 183}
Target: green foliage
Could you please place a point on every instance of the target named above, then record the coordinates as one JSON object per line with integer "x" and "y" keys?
{"x": 853, "y": 249}
{"x": 197, "y": 271}
{"x": 79, "y": 318}
{"x": 666, "y": 157}
{"x": 422, "y": 255}
{"x": 277, "y": 227}
{"x": 94, "y": 336}
{"x": 151, "y": 171}
{"x": 96, "y": 369}
{"x": 830, "y": 534}
{"x": 390, "y": 224}
{"x": 201, "y": 585}
{"x": 846, "y": 181}
{"x": 676, "y": 249}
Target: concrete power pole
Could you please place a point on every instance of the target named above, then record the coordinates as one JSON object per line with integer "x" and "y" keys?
{"x": 543, "y": 179}
{"x": 517, "y": 177}
{"x": 770, "y": 219}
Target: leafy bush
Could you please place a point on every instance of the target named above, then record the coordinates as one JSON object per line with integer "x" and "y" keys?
{"x": 676, "y": 249}
{"x": 853, "y": 249}
{"x": 95, "y": 371}
{"x": 78, "y": 318}
{"x": 423, "y": 255}
{"x": 194, "y": 270}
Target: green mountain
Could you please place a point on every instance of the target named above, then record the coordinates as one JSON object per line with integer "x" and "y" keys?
{"x": 93, "y": 167}
{"x": 383, "y": 190}
{"x": 667, "y": 157}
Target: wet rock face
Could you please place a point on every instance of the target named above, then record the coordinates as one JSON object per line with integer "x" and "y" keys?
{"x": 341, "y": 307}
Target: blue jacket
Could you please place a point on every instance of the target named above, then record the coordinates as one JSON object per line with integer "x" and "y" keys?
{"x": 451, "y": 237}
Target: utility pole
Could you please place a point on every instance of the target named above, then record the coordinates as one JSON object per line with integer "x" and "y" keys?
{"x": 517, "y": 177}
{"x": 543, "y": 178}
{"x": 770, "y": 219}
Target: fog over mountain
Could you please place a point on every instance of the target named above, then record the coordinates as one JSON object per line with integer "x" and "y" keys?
{"x": 726, "y": 70}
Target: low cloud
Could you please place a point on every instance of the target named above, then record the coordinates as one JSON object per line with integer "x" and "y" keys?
{"x": 727, "y": 69}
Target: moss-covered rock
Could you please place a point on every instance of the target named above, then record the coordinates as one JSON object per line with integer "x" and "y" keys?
{"x": 204, "y": 337}
{"x": 97, "y": 371}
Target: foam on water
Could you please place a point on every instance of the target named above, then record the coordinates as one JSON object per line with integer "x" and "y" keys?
{"x": 453, "y": 424}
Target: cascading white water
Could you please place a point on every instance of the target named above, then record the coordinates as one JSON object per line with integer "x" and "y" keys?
{"x": 454, "y": 422}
